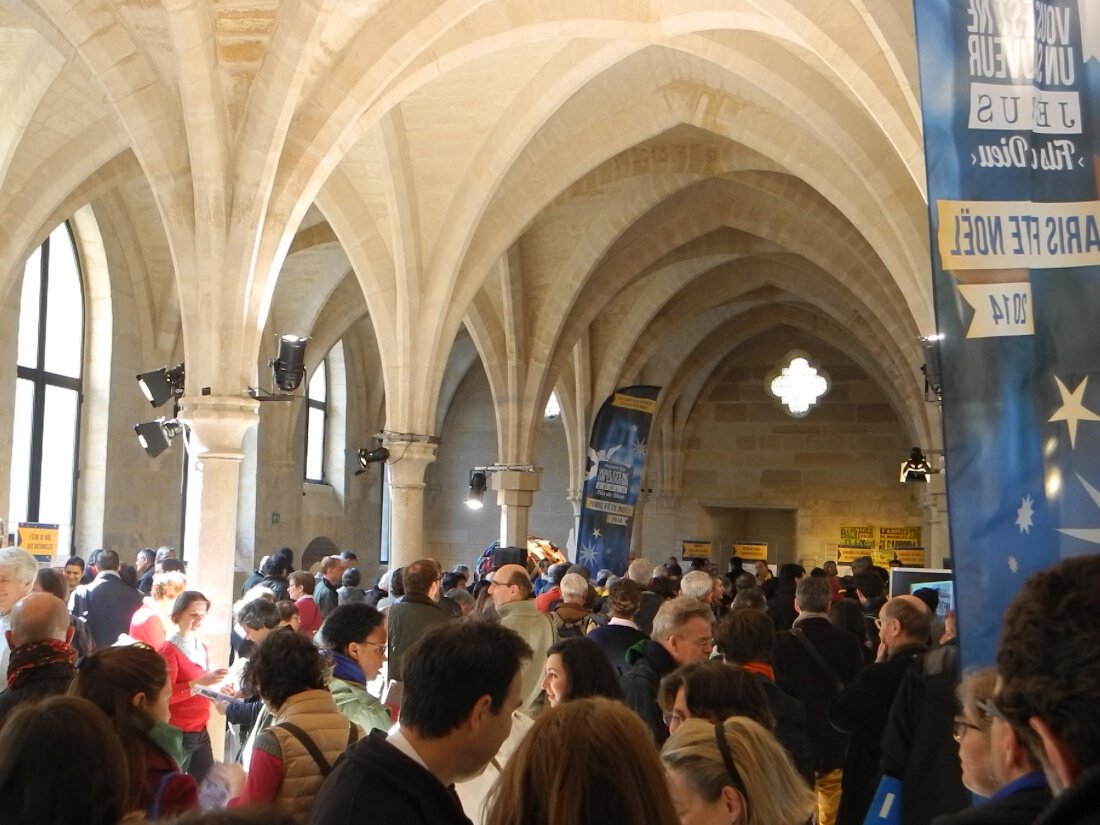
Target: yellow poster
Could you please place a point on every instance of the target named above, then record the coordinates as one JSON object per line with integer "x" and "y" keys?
{"x": 40, "y": 540}
{"x": 911, "y": 556}
{"x": 847, "y": 554}
{"x": 696, "y": 550}
{"x": 751, "y": 550}
{"x": 894, "y": 538}
{"x": 860, "y": 536}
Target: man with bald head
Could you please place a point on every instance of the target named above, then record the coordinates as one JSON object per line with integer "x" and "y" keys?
{"x": 863, "y": 710}
{"x": 513, "y": 595}
{"x": 42, "y": 659}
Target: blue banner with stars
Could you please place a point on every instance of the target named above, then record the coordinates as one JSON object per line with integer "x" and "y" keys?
{"x": 1010, "y": 96}
{"x": 616, "y": 463}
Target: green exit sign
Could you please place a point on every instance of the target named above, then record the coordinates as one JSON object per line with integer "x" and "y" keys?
{"x": 275, "y": 518}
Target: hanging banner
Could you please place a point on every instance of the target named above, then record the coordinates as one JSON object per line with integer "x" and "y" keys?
{"x": 1009, "y": 92}
{"x": 616, "y": 461}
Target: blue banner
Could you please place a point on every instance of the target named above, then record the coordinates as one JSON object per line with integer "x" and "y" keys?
{"x": 1009, "y": 96}
{"x": 616, "y": 462}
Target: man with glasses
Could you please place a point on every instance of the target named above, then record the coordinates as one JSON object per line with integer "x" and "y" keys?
{"x": 863, "y": 709}
{"x": 1049, "y": 670}
{"x": 683, "y": 632}
{"x": 513, "y": 596}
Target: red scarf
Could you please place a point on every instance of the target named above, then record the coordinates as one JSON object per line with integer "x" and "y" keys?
{"x": 32, "y": 655}
{"x": 760, "y": 667}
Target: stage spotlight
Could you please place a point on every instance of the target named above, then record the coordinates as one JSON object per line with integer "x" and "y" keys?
{"x": 475, "y": 499}
{"x": 156, "y": 436}
{"x": 288, "y": 368}
{"x": 161, "y": 386}
{"x": 368, "y": 457}
{"x": 916, "y": 467}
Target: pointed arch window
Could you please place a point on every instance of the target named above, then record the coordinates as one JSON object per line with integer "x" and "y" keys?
{"x": 48, "y": 387}
{"x": 316, "y": 424}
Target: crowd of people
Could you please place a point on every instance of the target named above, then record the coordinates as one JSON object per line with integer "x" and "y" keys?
{"x": 546, "y": 696}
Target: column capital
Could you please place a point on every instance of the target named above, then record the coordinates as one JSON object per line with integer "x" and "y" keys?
{"x": 514, "y": 487}
{"x": 408, "y": 460}
{"x": 218, "y": 424}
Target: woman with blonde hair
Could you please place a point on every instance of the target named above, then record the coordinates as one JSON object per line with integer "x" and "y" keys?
{"x": 587, "y": 760}
{"x": 152, "y": 623}
{"x": 733, "y": 773}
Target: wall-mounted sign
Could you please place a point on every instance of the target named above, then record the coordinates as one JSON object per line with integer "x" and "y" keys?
{"x": 751, "y": 550}
{"x": 40, "y": 540}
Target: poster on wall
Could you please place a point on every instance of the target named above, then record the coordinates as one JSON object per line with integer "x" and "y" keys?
{"x": 694, "y": 549}
{"x": 1010, "y": 94}
{"x": 40, "y": 540}
{"x": 860, "y": 536}
{"x": 751, "y": 550}
{"x": 616, "y": 463}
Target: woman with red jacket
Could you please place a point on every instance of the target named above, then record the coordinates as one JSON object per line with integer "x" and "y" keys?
{"x": 189, "y": 668}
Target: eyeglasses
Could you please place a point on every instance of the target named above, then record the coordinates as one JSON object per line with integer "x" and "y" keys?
{"x": 961, "y": 726}
{"x": 989, "y": 711}
{"x": 670, "y": 717}
{"x": 380, "y": 645}
{"x": 705, "y": 643}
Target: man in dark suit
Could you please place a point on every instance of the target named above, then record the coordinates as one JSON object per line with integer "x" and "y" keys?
{"x": 624, "y": 598}
{"x": 816, "y": 680}
{"x": 107, "y": 604}
{"x": 145, "y": 567}
{"x": 747, "y": 638}
{"x": 864, "y": 708}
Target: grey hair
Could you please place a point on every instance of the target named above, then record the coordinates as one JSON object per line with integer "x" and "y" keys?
{"x": 23, "y": 563}
{"x": 675, "y": 613}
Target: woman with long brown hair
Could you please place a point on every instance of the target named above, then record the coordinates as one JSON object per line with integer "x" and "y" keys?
{"x": 586, "y": 760}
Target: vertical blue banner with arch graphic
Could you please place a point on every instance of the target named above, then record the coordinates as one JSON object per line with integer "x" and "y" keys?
{"x": 616, "y": 463}
{"x": 1010, "y": 93}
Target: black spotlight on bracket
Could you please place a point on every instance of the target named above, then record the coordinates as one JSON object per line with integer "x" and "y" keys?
{"x": 475, "y": 499}
{"x": 156, "y": 436}
{"x": 288, "y": 369}
{"x": 372, "y": 456}
{"x": 916, "y": 467}
{"x": 161, "y": 386}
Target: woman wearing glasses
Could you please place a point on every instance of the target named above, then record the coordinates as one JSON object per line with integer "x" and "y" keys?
{"x": 733, "y": 773}
{"x": 995, "y": 763}
{"x": 356, "y": 635}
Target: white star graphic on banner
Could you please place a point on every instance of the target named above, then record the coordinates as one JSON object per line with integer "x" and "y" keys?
{"x": 588, "y": 554}
{"x": 596, "y": 534}
{"x": 1024, "y": 515}
{"x": 1073, "y": 408}
{"x": 1013, "y": 565}
{"x": 1091, "y": 535}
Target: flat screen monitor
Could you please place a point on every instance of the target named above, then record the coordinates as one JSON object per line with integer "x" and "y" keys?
{"x": 910, "y": 579}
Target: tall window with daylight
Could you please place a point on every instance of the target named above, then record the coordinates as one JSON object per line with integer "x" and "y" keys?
{"x": 316, "y": 424}
{"x": 48, "y": 386}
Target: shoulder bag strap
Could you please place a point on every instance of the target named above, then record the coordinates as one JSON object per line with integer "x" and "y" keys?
{"x": 817, "y": 657}
{"x": 308, "y": 744}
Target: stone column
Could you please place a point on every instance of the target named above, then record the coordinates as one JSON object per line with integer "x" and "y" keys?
{"x": 217, "y": 427}
{"x": 575, "y": 501}
{"x": 515, "y": 492}
{"x": 408, "y": 462}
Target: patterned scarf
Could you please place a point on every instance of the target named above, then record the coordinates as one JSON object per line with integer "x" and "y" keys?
{"x": 32, "y": 655}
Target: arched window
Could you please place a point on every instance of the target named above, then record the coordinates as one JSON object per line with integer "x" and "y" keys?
{"x": 316, "y": 424}
{"x": 48, "y": 387}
